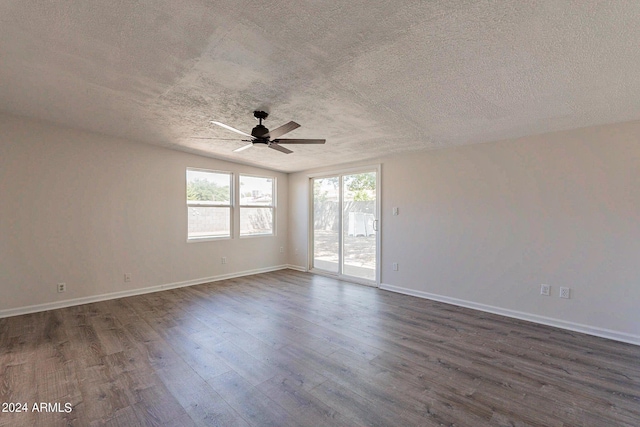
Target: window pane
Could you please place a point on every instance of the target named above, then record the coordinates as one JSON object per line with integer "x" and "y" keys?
{"x": 255, "y": 221}
{"x": 326, "y": 224}
{"x": 210, "y": 187}
{"x": 209, "y": 221}
{"x": 256, "y": 191}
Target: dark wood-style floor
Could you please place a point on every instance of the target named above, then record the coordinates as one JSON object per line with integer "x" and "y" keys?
{"x": 294, "y": 349}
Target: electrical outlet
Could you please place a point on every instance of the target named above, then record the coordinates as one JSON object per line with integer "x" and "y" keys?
{"x": 395, "y": 266}
{"x": 565, "y": 292}
{"x": 223, "y": 260}
{"x": 395, "y": 211}
{"x": 545, "y": 290}
{"x": 127, "y": 277}
{"x": 62, "y": 287}
{"x": 281, "y": 249}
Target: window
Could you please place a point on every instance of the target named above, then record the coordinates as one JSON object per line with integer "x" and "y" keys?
{"x": 257, "y": 205}
{"x": 208, "y": 204}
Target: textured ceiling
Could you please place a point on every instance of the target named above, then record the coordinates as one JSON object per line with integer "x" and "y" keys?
{"x": 372, "y": 77}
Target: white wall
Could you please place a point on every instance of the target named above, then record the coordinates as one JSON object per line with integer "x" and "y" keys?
{"x": 84, "y": 209}
{"x": 485, "y": 225}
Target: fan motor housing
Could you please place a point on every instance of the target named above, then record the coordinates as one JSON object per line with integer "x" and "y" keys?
{"x": 259, "y": 131}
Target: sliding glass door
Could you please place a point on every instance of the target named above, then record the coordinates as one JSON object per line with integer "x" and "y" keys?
{"x": 345, "y": 225}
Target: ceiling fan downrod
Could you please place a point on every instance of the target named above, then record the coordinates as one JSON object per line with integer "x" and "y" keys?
{"x": 260, "y": 131}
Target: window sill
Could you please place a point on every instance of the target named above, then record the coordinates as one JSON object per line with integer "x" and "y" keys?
{"x": 207, "y": 239}
{"x": 250, "y": 236}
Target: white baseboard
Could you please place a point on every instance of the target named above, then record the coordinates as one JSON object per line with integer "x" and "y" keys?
{"x": 558, "y": 323}
{"x": 113, "y": 295}
{"x": 297, "y": 268}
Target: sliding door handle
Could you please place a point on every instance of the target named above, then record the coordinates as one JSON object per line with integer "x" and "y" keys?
{"x": 375, "y": 225}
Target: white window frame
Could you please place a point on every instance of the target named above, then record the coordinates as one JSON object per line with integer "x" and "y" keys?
{"x": 272, "y": 206}
{"x": 212, "y": 204}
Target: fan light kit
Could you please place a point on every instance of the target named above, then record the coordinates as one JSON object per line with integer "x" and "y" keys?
{"x": 261, "y": 135}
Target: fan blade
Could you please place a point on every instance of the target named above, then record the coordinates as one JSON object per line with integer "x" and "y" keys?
{"x": 230, "y": 128}
{"x": 237, "y": 150}
{"x": 279, "y": 148}
{"x": 281, "y": 130}
{"x": 300, "y": 141}
{"x": 213, "y": 137}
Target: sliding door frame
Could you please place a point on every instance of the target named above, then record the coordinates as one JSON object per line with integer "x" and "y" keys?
{"x": 377, "y": 168}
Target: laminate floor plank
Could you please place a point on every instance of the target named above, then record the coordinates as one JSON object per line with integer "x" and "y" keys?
{"x": 326, "y": 340}
{"x": 355, "y": 407}
{"x": 203, "y": 404}
{"x": 297, "y": 370}
{"x": 158, "y": 407}
{"x": 249, "y": 368}
{"x": 306, "y": 409}
{"x": 288, "y": 348}
{"x": 252, "y": 404}
{"x": 443, "y": 387}
{"x": 200, "y": 355}
{"x": 125, "y": 417}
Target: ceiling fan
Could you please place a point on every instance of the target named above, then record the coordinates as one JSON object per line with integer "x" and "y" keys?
{"x": 261, "y": 135}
